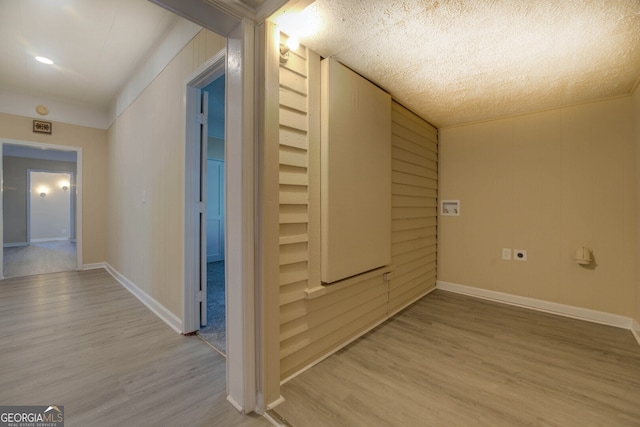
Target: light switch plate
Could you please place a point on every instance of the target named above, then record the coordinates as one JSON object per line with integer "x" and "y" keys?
{"x": 506, "y": 254}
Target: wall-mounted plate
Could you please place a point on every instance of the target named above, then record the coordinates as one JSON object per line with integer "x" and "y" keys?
{"x": 450, "y": 207}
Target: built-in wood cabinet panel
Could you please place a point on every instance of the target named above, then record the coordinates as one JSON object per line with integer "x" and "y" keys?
{"x": 355, "y": 175}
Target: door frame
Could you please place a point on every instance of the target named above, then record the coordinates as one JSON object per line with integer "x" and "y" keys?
{"x": 253, "y": 363}
{"x": 78, "y": 212}
{"x": 238, "y": 61}
{"x": 194, "y": 231}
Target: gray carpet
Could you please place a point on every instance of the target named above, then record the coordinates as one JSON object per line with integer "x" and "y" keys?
{"x": 215, "y": 331}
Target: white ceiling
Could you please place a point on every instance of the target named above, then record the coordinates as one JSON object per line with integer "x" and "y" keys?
{"x": 450, "y": 61}
{"x": 460, "y": 61}
{"x": 96, "y": 46}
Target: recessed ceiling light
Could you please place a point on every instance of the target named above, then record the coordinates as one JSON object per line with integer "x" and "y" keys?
{"x": 44, "y": 60}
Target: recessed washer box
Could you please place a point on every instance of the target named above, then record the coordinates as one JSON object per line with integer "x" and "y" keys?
{"x": 450, "y": 207}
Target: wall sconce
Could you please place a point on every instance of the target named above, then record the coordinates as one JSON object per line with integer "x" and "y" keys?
{"x": 43, "y": 190}
{"x": 291, "y": 45}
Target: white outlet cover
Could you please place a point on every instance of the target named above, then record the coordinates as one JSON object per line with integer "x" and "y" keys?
{"x": 506, "y": 254}
{"x": 520, "y": 254}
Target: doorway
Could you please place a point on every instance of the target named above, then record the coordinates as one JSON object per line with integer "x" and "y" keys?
{"x": 39, "y": 209}
{"x": 213, "y": 319}
{"x": 236, "y": 63}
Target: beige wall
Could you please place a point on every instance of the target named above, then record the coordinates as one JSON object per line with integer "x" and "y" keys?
{"x": 636, "y": 121}
{"x": 146, "y": 158}
{"x": 546, "y": 183}
{"x": 14, "y": 170}
{"x": 94, "y": 180}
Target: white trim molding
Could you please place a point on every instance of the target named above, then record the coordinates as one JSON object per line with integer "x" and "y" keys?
{"x": 541, "y": 305}
{"x": 94, "y": 266}
{"x": 51, "y": 239}
{"x": 161, "y": 311}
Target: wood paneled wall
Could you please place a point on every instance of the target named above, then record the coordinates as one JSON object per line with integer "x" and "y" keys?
{"x": 315, "y": 321}
{"x": 414, "y": 201}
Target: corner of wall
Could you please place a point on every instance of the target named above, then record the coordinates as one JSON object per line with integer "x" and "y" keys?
{"x": 636, "y": 136}
{"x": 152, "y": 304}
{"x": 178, "y": 36}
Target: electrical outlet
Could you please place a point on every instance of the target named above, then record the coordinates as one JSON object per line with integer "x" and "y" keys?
{"x": 520, "y": 254}
{"x": 506, "y": 254}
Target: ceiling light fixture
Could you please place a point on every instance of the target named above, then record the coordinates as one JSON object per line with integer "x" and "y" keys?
{"x": 44, "y": 60}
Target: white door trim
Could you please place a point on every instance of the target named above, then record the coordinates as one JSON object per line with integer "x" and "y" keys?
{"x": 78, "y": 213}
{"x": 239, "y": 210}
{"x": 242, "y": 389}
{"x": 240, "y": 214}
{"x": 208, "y": 72}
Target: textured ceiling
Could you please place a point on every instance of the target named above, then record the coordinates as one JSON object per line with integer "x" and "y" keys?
{"x": 450, "y": 61}
{"x": 457, "y": 61}
{"x": 95, "y": 44}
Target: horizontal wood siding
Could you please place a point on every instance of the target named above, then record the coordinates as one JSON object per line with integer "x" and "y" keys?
{"x": 414, "y": 207}
{"x": 312, "y": 328}
{"x": 294, "y": 197}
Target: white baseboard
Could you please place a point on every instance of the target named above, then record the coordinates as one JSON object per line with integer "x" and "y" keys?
{"x": 161, "y": 311}
{"x": 15, "y": 245}
{"x": 235, "y": 404}
{"x": 275, "y": 403}
{"x": 635, "y": 330}
{"x": 540, "y": 305}
{"x": 51, "y": 239}
{"x": 94, "y": 266}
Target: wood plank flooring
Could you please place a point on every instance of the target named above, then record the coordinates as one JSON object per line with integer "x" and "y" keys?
{"x": 39, "y": 258}
{"x": 451, "y": 360}
{"x": 79, "y": 339}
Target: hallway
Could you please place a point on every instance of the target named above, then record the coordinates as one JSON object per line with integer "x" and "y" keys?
{"x": 80, "y": 340}
{"x": 39, "y": 258}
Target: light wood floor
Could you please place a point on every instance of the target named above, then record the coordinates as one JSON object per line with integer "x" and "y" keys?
{"x": 39, "y": 258}
{"x": 79, "y": 339}
{"x": 451, "y": 360}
